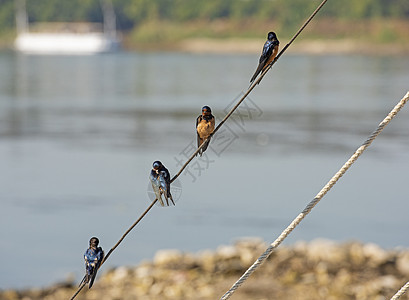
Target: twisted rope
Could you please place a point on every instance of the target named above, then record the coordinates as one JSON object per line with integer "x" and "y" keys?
{"x": 401, "y": 291}
{"x": 317, "y": 198}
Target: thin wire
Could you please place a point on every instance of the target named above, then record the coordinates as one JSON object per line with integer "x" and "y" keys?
{"x": 117, "y": 244}
{"x": 401, "y": 291}
{"x": 256, "y": 82}
{"x": 78, "y": 291}
{"x": 128, "y": 231}
{"x": 317, "y": 198}
{"x": 292, "y": 40}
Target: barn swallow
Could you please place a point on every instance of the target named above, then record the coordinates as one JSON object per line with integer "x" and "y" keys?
{"x": 204, "y": 127}
{"x": 268, "y": 54}
{"x": 93, "y": 257}
{"x": 160, "y": 179}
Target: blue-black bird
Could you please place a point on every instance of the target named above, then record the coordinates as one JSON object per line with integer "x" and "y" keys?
{"x": 160, "y": 179}
{"x": 204, "y": 127}
{"x": 93, "y": 257}
{"x": 268, "y": 54}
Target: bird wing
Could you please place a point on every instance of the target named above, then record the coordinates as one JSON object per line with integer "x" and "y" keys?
{"x": 212, "y": 123}
{"x": 164, "y": 178}
{"x": 273, "y": 53}
{"x": 211, "y": 129}
{"x": 156, "y": 187}
{"x": 100, "y": 256}
{"x": 93, "y": 275}
{"x": 265, "y": 55}
{"x": 199, "y": 140}
{"x": 267, "y": 51}
{"x": 85, "y": 279}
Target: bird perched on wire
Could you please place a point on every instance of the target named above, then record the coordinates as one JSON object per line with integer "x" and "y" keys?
{"x": 160, "y": 179}
{"x": 204, "y": 127}
{"x": 93, "y": 257}
{"x": 268, "y": 54}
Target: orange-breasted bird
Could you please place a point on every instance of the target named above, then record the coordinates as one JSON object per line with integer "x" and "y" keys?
{"x": 204, "y": 127}
{"x": 268, "y": 54}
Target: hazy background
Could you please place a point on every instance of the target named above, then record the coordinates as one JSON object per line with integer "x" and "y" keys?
{"x": 78, "y": 136}
{"x": 166, "y": 24}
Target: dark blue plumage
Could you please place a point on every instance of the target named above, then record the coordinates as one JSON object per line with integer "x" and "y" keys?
{"x": 160, "y": 180}
{"x": 93, "y": 257}
{"x": 270, "y": 50}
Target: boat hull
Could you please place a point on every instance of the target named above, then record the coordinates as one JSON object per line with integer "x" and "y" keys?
{"x": 65, "y": 43}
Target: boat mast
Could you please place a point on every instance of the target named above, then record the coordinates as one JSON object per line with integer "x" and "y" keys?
{"x": 109, "y": 18}
{"x": 21, "y": 16}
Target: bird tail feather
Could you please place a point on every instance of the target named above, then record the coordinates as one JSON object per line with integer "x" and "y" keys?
{"x": 84, "y": 280}
{"x": 204, "y": 148}
{"x": 91, "y": 282}
{"x": 258, "y": 70}
{"x": 161, "y": 201}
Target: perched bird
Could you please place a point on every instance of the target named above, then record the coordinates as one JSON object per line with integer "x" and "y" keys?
{"x": 160, "y": 179}
{"x": 268, "y": 54}
{"x": 204, "y": 127}
{"x": 93, "y": 257}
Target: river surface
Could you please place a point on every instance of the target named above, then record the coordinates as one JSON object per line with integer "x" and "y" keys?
{"x": 78, "y": 136}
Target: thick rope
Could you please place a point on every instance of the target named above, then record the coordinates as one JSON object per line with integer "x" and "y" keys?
{"x": 256, "y": 82}
{"x": 317, "y": 198}
{"x": 401, "y": 291}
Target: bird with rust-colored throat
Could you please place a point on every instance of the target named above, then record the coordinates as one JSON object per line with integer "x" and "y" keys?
{"x": 204, "y": 127}
{"x": 268, "y": 54}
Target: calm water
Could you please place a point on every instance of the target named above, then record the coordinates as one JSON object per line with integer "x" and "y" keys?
{"x": 78, "y": 136}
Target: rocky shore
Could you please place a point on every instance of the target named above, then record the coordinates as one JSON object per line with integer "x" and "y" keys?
{"x": 320, "y": 269}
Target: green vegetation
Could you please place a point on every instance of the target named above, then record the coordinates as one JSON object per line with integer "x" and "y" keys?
{"x": 147, "y": 20}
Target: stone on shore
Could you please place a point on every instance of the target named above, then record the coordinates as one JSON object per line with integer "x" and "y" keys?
{"x": 320, "y": 269}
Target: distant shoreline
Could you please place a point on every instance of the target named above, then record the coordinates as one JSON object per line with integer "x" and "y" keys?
{"x": 384, "y": 36}
{"x": 253, "y": 46}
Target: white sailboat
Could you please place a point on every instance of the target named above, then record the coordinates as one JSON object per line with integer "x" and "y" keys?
{"x": 67, "y": 38}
